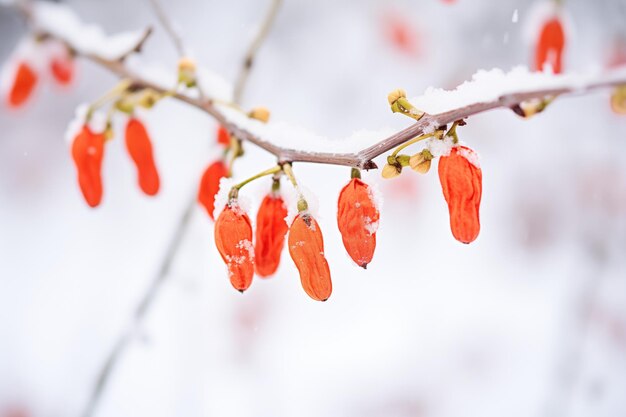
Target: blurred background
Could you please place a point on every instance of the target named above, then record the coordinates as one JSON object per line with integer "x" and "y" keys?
{"x": 529, "y": 320}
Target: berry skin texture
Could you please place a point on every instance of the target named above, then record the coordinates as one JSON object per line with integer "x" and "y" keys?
{"x": 139, "y": 148}
{"x": 549, "y": 49}
{"x": 210, "y": 185}
{"x": 233, "y": 238}
{"x": 87, "y": 152}
{"x": 271, "y": 230}
{"x": 461, "y": 182}
{"x": 23, "y": 85}
{"x": 62, "y": 69}
{"x": 306, "y": 247}
{"x": 357, "y": 218}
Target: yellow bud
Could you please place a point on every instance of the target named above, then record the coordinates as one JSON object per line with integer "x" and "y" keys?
{"x": 419, "y": 164}
{"x": 618, "y": 100}
{"x": 395, "y": 95}
{"x": 148, "y": 98}
{"x": 391, "y": 171}
{"x": 260, "y": 113}
{"x": 186, "y": 64}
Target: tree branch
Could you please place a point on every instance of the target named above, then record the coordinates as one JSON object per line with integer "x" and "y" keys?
{"x": 169, "y": 27}
{"x": 362, "y": 159}
{"x": 248, "y": 61}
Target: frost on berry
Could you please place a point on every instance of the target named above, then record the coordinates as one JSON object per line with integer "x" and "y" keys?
{"x": 233, "y": 238}
{"x": 271, "y": 230}
{"x": 461, "y": 182}
{"x": 306, "y": 247}
{"x": 357, "y": 219}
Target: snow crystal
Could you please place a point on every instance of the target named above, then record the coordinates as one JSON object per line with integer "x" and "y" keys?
{"x": 221, "y": 198}
{"x": 471, "y": 156}
{"x": 376, "y": 196}
{"x": 439, "y": 147}
{"x": 97, "y": 123}
{"x": 291, "y": 196}
{"x": 246, "y": 245}
{"x": 370, "y": 226}
{"x": 63, "y": 23}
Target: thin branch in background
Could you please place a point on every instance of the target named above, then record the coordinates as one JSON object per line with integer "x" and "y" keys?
{"x": 147, "y": 299}
{"x": 169, "y": 27}
{"x": 248, "y": 61}
{"x": 151, "y": 293}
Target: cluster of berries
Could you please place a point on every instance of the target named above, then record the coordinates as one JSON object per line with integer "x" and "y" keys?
{"x": 357, "y": 219}
{"x": 32, "y": 60}
{"x": 88, "y": 152}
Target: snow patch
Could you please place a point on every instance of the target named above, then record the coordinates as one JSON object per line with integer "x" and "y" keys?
{"x": 214, "y": 85}
{"x": 440, "y": 147}
{"x": 242, "y": 205}
{"x": 489, "y": 86}
{"x": 62, "y": 22}
{"x": 471, "y": 156}
{"x": 97, "y": 123}
{"x": 291, "y": 196}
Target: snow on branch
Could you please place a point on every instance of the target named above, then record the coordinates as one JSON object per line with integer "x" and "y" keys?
{"x": 486, "y": 91}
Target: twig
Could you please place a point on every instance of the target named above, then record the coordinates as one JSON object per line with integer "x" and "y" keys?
{"x": 248, "y": 62}
{"x": 146, "y": 301}
{"x": 169, "y": 27}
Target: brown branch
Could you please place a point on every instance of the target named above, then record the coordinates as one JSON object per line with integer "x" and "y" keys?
{"x": 362, "y": 159}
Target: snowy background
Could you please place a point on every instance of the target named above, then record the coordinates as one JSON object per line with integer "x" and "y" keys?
{"x": 529, "y": 320}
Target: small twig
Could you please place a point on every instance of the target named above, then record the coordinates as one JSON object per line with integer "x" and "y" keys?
{"x": 146, "y": 34}
{"x": 248, "y": 61}
{"x": 169, "y": 27}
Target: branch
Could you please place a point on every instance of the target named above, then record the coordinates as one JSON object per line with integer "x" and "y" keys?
{"x": 169, "y": 27}
{"x": 362, "y": 159}
{"x": 254, "y": 47}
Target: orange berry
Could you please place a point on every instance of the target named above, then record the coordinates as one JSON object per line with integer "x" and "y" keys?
{"x": 87, "y": 152}
{"x": 461, "y": 182}
{"x": 549, "y": 48}
{"x": 62, "y": 69}
{"x": 210, "y": 185}
{"x": 139, "y": 148}
{"x": 223, "y": 137}
{"x": 306, "y": 247}
{"x": 23, "y": 85}
{"x": 357, "y": 218}
{"x": 271, "y": 229}
{"x": 233, "y": 238}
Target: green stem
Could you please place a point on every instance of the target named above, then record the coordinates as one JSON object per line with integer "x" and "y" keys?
{"x": 411, "y": 142}
{"x": 302, "y": 204}
{"x": 452, "y": 132}
{"x": 110, "y": 95}
{"x": 270, "y": 171}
